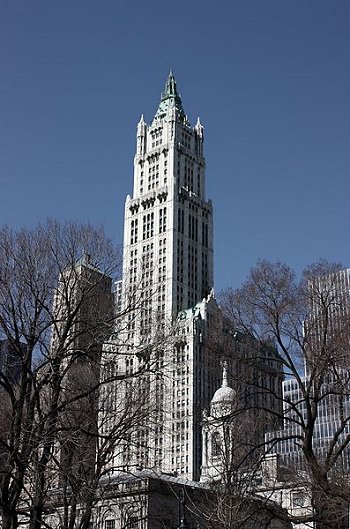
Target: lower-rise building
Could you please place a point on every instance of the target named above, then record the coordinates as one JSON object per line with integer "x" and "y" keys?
{"x": 330, "y": 429}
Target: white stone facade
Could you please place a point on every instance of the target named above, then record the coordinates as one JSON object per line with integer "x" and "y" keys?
{"x": 167, "y": 271}
{"x": 168, "y": 245}
{"x": 218, "y": 432}
{"x": 194, "y": 374}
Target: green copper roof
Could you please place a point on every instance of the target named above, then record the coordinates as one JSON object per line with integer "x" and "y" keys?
{"x": 170, "y": 98}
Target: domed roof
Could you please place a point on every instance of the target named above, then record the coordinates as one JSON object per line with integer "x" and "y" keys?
{"x": 223, "y": 394}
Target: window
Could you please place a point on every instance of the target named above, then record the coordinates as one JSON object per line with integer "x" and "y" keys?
{"x": 148, "y": 225}
{"x": 216, "y": 444}
{"x": 134, "y": 231}
{"x": 110, "y": 523}
{"x": 299, "y": 499}
{"x": 132, "y": 522}
{"x": 162, "y": 220}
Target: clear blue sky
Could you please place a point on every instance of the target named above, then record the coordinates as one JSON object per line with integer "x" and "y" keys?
{"x": 270, "y": 80}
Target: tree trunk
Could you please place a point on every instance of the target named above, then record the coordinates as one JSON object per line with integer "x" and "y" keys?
{"x": 9, "y": 519}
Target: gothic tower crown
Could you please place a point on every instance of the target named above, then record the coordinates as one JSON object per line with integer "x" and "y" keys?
{"x": 170, "y": 101}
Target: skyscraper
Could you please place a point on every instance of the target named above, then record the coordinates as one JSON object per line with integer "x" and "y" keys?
{"x": 83, "y": 311}
{"x": 318, "y": 403}
{"x": 168, "y": 243}
{"x": 168, "y": 277}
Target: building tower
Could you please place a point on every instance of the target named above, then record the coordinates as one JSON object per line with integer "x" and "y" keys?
{"x": 219, "y": 428}
{"x": 83, "y": 309}
{"x": 168, "y": 246}
{"x": 167, "y": 282}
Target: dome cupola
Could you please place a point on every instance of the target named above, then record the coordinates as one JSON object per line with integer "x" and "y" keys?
{"x": 224, "y": 399}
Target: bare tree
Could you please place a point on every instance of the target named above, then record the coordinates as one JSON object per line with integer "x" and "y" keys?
{"x": 308, "y": 320}
{"x": 232, "y": 439}
{"x": 82, "y": 485}
{"x": 67, "y": 407}
{"x": 44, "y": 300}
{"x": 125, "y": 423}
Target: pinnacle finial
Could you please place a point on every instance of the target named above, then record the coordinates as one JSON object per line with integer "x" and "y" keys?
{"x": 170, "y": 85}
{"x": 224, "y": 375}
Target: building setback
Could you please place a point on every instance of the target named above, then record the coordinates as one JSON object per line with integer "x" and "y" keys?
{"x": 167, "y": 289}
{"x": 170, "y": 328}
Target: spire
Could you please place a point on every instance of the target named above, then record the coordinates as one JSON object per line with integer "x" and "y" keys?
{"x": 224, "y": 375}
{"x": 199, "y": 127}
{"x": 170, "y": 99}
{"x": 141, "y": 126}
{"x": 170, "y": 86}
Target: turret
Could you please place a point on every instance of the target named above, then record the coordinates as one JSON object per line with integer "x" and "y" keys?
{"x": 141, "y": 137}
{"x": 216, "y": 426}
{"x": 199, "y": 130}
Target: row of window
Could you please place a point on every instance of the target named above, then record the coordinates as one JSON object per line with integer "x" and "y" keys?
{"x": 148, "y": 225}
{"x": 192, "y": 272}
{"x": 131, "y": 523}
{"x": 151, "y": 179}
{"x": 186, "y": 139}
{"x": 162, "y": 220}
{"x": 156, "y": 137}
{"x": 193, "y": 228}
